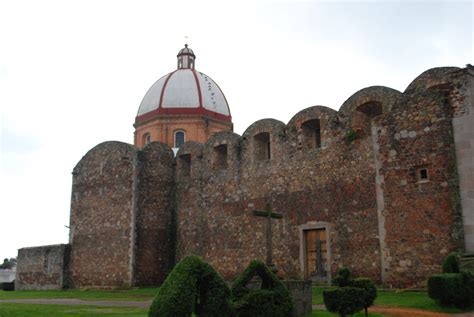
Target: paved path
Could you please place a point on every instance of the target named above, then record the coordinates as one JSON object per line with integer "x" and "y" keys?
{"x": 75, "y": 301}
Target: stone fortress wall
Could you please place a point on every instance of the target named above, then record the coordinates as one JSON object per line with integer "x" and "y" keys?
{"x": 42, "y": 268}
{"x": 119, "y": 215}
{"x": 379, "y": 175}
{"x": 383, "y": 220}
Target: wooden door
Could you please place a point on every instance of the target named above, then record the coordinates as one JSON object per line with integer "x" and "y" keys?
{"x": 316, "y": 266}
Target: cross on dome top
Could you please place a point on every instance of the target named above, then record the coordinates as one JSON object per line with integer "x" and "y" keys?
{"x": 186, "y": 58}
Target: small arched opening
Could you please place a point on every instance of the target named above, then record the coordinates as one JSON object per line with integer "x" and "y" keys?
{"x": 179, "y": 138}
{"x": 311, "y": 132}
{"x": 262, "y": 146}
{"x": 146, "y": 138}
{"x": 220, "y": 157}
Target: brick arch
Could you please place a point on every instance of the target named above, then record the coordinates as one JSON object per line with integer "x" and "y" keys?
{"x": 159, "y": 151}
{"x": 264, "y": 125}
{"x": 431, "y": 77}
{"x": 179, "y": 129}
{"x": 314, "y": 112}
{"x": 107, "y": 149}
{"x": 189, "y": 159}
{"x": 222, "y": 150}
{"x": 263, "y": 140}
{"x": 309, "y": 128}
{"x": 191, "y": 147}
{"x": 223, "y": 137}
{"x": 386, "y": 96}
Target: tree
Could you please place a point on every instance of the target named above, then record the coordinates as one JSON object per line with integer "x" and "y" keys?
{"x": 8, "y": 263}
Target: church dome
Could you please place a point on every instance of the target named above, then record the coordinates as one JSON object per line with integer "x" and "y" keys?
{"x": 184, "y": 91}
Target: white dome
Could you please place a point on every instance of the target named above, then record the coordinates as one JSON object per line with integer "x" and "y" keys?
{"x": 184, "y": 88}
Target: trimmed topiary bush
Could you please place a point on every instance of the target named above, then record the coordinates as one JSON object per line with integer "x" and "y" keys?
{"x": 272, "y": 300}
{"x": 370, "y": 291}
{"x": 452, "y": 289}
{"x": 344, "y": 300}
{"x": 343, "y": 304}
{"x": 451, "y": 263}
{"x": 195, "y": 287}
{"x": 343, "y": 277}
{"x": 192, "y": 286}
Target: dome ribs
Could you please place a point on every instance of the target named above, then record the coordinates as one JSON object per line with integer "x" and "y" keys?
{"x": 164, "y": 88}
{"x": 198, "y": 88}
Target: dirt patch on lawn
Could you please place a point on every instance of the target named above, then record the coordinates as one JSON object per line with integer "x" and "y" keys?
{"x": 390, "y": 311}
{"x": 412, "y": 312}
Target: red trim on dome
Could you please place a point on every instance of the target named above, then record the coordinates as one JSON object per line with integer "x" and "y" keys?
{"x": 182, "y": 111}
{"x": 163, "y": 88}
{"x": 198, "y": 88}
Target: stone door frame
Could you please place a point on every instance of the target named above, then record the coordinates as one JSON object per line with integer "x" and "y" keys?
{"x": 314, "y": 226}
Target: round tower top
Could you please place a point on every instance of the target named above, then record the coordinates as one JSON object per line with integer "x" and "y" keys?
{"x": 186, "y": 58}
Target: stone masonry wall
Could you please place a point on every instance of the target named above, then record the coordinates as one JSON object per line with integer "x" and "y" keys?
{"x": 384, "y": 222}
{"x": 42, "y": 268}
{"x": 423, "y": 217}
{"x": 154, "y": 203}
{"x": 103, "y": 216}
{"x": 463, "y": 128}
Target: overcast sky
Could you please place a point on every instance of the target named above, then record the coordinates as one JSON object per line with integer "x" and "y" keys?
{"x": 73, "y": 73}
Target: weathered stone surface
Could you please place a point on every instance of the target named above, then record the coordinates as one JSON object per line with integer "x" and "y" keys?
{"x": 120, "y": 214}
{"x": 463, "y": 128}
{"x": 103, "y": 216}
{"x": 154, "y": 199}
{"x": 368, "y": 190}
{"x": 42, "y": 268}
{"x": 301, "y": 294}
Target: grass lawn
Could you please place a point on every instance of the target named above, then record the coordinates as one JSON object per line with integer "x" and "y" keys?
{"x": 15, "y": 310}
{"x": 28, "y": 310}
{"x": 139, "y": 294}
{"x": 411, "y": 299}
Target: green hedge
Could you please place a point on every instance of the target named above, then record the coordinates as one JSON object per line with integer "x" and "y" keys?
{"x": 272, "y": 300}
{"x": 452, "y": 289}
{"x": 7, "y": 286}
{"x": 451, "y": 263}
{"x": 344, "y": 300}
{"x": 195, "y": 287}
{"x": 192, "y": 286}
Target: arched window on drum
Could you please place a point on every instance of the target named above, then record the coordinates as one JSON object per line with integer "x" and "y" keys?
{"x": 146, "y": 138}
{"x": 179, "y": 138}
